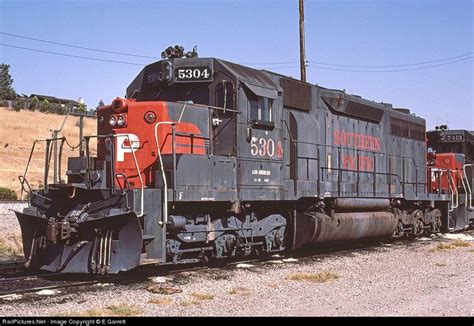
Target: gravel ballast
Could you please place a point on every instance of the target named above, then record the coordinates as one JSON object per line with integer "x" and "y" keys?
{"x": 10, "y": 234}
{"x": 398, "y": 278}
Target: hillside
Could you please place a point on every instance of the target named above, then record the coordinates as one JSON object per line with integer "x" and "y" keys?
{"x": 17, "y": 134}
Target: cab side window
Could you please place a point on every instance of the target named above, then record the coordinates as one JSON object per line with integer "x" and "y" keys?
{"x": 260, "y": 108}
{"x": 253, "y": 106}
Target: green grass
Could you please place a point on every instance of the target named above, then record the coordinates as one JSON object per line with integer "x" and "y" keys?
{"x": 7, "y": 194}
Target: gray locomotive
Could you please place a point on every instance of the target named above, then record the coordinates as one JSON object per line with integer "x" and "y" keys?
{"x": 206, "y": 158}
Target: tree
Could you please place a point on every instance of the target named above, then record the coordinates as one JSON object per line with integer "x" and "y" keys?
{"x": 6, "y": 81}
{"x": 34, "y": 103}
{"x": 101, "y": 103}
{"x": 82, "y": 108}
{"x": 44, "y": 106}
{"x": 18, "y": 104}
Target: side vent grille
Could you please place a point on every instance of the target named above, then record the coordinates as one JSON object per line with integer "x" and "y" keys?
{"x": 296, "y": 94}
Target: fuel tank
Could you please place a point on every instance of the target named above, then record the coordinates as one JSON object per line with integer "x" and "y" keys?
{"x": 313, "y": 227}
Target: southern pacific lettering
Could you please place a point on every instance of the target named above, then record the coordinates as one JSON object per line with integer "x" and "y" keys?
{"x": 361, "y": 162}
{"x": 357, "y": 141}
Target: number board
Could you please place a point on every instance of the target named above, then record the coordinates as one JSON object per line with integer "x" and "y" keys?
{"x": 193, "y": 74}
{"x": 453, "y": 138}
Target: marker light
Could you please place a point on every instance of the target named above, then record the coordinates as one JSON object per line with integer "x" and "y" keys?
{"x": 150, "y": 117}
{"x": 113, "y": 120}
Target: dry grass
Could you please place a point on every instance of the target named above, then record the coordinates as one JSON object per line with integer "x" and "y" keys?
{"x": 19, "y": 130}
{"x": 162, "y": 301}
{"x": 119, "y": 310}
{"x": 461, "y": 243}
{"x": 9, "y": 251}
{"x": 163, "y": 289}
{"x": 451, "y": 245}
{"x": 188, "y": 303}
{"x": 202, "y": 296}
{"x": 441, "y": 264}
{"x": 239, "y": 290}
{"x": 321, "y": 277}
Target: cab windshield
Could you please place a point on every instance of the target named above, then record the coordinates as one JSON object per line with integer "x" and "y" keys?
{"x": 197, "y": 93}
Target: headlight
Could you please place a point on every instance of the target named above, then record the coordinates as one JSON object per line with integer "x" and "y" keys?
{"x": 121, "y": 121}
{"x": 113, "y": 120}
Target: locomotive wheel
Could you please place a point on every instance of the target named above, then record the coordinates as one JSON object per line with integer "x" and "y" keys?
{"x": 398, "y": 233}
{"x": 420, "y": 228}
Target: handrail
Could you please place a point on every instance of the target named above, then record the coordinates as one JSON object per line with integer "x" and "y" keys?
{"x": 350, "y": 149}
{"x": 358, "y": 151}
{"x": 142, "y": 199}
{"x": 210, "y": 107}
{"x": 142, "y": 186}
{"x": 165, "y": 182}
{"x": 454, "y": 191}
{"x": 126, "y": 183}
{"x": 23, "y": 179}
{"x": 47, "y": 158}
{"x": 468, "y": 185}
{"x": 22, "y": 182}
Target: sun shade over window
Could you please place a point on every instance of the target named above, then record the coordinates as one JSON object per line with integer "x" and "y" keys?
{"x": 262, "y": 91}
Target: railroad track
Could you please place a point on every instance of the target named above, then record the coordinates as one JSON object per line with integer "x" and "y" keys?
{"x": 13, "y": 202}
{"x": 35, "y": 289}
{"x": 12, "y": 268}
{"x": 34, "y": 283}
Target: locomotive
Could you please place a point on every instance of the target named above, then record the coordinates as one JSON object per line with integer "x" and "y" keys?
{"x": 208, "y": 159}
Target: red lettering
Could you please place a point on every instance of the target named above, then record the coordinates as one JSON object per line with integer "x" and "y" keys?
{"x": 348, "y": 161}
{"x": 343, "y": 138}
{"x": 367, "y": 142}
{"x": 366, "y": 163}
{"x": 337, "y": 138}
{"x": 349, "y": 140}
{"x": 376, "y": 144}
{"x": 356, "y": 141}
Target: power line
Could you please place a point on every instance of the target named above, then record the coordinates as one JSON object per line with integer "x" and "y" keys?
{"x": 279, "y": 67}
{"x": 79, "y": 47}
{"x": 268, "y": 63}
{"x": 107, "y": 60}
{"x": 72, "y": 55}
{"x": 393, "y": 70}
{"x": 269, "y": 67}
{"x": 392, "y": 66}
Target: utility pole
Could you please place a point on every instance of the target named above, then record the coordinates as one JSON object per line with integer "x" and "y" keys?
{"x": 302, "y": 51}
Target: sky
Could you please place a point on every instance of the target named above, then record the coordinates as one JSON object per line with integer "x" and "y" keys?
{"x": 263, "y": 34}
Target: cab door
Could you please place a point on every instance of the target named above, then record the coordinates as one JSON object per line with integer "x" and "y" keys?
{"x": 261, "y": 151}
{"x": 224, "y": 119}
